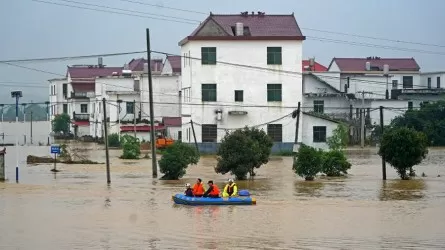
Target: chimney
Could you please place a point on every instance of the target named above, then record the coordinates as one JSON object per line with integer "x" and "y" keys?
{"x": 100, "y": 62}
{"x": 368, "y": 66}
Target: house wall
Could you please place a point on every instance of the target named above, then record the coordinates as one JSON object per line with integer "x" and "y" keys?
{"x": 308, "y": 136}
{"x": 173, "y": 132}
{"x": 167, "y": 69}
{"x": 56, "y": 97}
{"x": 433, "y": 75}
{"x": 253, "y": 82}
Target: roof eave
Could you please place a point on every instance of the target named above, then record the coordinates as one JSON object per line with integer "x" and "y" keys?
{"x": 241, "y": 38}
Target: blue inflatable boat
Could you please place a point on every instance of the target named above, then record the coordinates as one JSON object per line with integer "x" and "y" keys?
{"x": 200, "y": 201}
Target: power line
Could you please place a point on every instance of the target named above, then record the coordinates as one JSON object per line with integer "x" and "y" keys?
{"x": 112, "y": 12}
{"x": 197, "y": 21}
{"x": 164, "y": 7}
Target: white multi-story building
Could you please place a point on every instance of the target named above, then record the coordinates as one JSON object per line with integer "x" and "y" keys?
{"x": 80, "y": 95}
{"x": 232, "y": 77}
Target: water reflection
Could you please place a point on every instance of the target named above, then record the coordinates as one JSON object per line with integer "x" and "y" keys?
{"x": 402, "y": 190}
{"x": 308, "y": 188}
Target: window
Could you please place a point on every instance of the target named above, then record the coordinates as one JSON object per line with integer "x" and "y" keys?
{"x": 407, "y": 82}
{"x": 179, "y": 135}
{"x": 65, "y": 108}
{"x": 275, "y": 131}
{"x": 136, "y": 85}
{"x": 208, "y": 55}
{"x": 130, "y": 108}
{"x": 438, "y": 82}
{"x": 429, "y": 82}
{"x": 274, "y": 55}
{"x": 410, "y": 105}
{"x": 239, "y": 96}
{"x": 64, "y": 90}
{"x": 319, "y": 133}
{"x": 83, "y": 108}
{"x": 209, "y": 132}
{"x": 208, "y": 92}
{"x": 395, "y": 84}
{"x": 274, "y": 92}
{"x": 318, "y": 106}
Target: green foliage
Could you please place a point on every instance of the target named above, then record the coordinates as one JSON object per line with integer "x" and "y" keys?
{"x": 335, "y": 163}
{"x": 175, "y": 160}
{"x": 403, "y": 148}
{"x": 64, "y": 152}
{"x": 340, "y": 138}
{"x": 61, "y": 123}
{"x": 131, "y": 147}
{"x": 308, "y": 162}
{"x": 243, "y": 150}
{"x": 113, "y": 140}
{"x": 429, "y": 119}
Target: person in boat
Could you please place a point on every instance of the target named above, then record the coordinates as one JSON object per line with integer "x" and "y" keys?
{"x": 213, "y": 191}
{"x": 188, "y": 191}
{"x": 198, "y": 188}
{"x": 230, "y": 190}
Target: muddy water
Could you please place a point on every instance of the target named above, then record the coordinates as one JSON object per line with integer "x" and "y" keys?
{"x": 75, "y": 209}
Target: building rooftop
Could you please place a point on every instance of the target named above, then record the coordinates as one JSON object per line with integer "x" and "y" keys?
{"x": 175, "y": 62}
{"x": 359, "y": 64}
{"x": 317, "y": 67}
{"x": 92, "y": 71}
{"x": 138, "y": 64}
{"x": 256, "y": 26}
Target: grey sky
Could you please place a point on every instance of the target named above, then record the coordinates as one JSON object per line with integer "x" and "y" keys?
{"x": 33, "y": 30}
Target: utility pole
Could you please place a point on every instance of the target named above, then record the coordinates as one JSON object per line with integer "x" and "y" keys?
{"x": 31, "y": 126}
{"x": 107, "y": 156}
{"x": 381, "y": 135}
{"x": 17, "y": 95}
{"x": 194, "y": 135}
{"x": 119, "y": 118}
{"x": 154, "y": 163}
{"x": 134, "y": 118}
{"x": 24, "y": 110}
{"x": 362, "y": 127}
{"x": 297, "y": 123}
{"x": 47, "y": 118}
{"x": 3, "y": 128}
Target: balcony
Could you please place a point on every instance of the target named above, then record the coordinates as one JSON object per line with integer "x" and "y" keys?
{"x": 81, "y": 117}
{"x": 395, "y": 93}
{"x": 81, "y": 95}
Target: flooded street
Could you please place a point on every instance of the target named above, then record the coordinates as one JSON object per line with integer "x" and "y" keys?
{"x": 75, "y": 209}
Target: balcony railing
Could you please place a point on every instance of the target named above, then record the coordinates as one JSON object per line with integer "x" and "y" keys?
{"x": 80, "y": 95}
{"x": 425, "y": 91}
{"x": 81, "y": 117}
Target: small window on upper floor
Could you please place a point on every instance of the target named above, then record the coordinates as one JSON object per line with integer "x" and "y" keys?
{"x": 208, "y": 55}
{"x": 239, "y": 96}
{"x": 407, "y": 82}
{"x": 274, "y": 56}
{"x": 438, "y": 82}
{"x": 318, "y": 106}
{"x": 274, "y": 93}
{"x": 129, "y": 108}
{"x": 429, "y": 82}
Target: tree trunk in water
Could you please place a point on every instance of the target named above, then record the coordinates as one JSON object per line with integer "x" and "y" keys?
{"x": 309, "y": 178}
{"x": 412, "y": 173}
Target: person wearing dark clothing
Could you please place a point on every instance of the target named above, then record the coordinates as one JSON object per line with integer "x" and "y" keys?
{"x": 213, "y": 191}
{"x": 188, "y": 192}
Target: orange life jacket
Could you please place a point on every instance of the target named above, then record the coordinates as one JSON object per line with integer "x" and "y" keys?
{"x": 215, "y": 190}
{"x": 198, "y": 189}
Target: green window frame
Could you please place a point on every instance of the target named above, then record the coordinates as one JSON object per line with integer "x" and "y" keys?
{"x": 319, "y": 133}
{"x": 129, "y": 107}
{"x": 208, "y": 55}
{"x": 274, "y": 56}
{"x": 274, "y": 93}
{"x": 275, "y": 132}
{"x": 239, "y": 96}
{"x": 208, "y": 92}
{"x": 319, "y": 106}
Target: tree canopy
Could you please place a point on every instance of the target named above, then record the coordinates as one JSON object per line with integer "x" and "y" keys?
{"x": 61, "y": 123}
{"x": 243, "y": 150}
{"x": 403, "y": 148}
{"x": 175, "y": 160}
{"x": 429, "y": 119}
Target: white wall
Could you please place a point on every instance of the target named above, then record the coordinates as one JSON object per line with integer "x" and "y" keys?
{"x": 308, "y": 123}
{"x": 433, "y": 76}
{"x": 172, "y": 132}
{"x": 252, "y": 81}
{"x": 56, "y": 97}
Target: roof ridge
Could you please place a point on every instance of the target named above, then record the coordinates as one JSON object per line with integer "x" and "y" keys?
{"x": 364, "y": 58}
{"x": 250, "y": 15}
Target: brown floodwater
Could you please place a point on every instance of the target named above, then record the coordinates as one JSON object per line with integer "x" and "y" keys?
{"x": 75, "y": 209}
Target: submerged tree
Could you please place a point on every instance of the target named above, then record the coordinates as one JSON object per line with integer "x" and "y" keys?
{"x": 308, "y": 162}
{"x": 175, "y": 160}
{"x": 131, "y": 147}
{"x": 61, "y": 123}
{"x": 243, "y": 150}
{"x": 335, "y": 162}
{"x": 403, "y": 148}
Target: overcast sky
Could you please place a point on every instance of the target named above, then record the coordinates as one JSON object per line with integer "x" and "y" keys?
{"x": 34, "y": 29}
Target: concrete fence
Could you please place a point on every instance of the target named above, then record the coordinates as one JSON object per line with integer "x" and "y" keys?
{"x": 40, "y": 134}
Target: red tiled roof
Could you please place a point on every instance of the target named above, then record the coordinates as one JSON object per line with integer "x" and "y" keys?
{"x": 83, "y": 86}
{"x": 92, "y": 71}
{"x": 172, "y": 121}
{"x": 317, "y": 66}
{"x": 138, "y": 64}
{"x": 359, "y": 64}
{"x": 144, "y": 128}
{"x": 265, "y": 27}
{"x": 175, "y": 62}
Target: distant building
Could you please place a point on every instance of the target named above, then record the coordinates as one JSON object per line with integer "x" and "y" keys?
{"x": 215, "y": 93}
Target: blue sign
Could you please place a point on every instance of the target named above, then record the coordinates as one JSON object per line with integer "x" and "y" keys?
{"x": 55, "y": 149}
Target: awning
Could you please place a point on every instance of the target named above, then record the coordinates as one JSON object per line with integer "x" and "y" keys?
{"x": 144, "y": 128}
{"x": 81, "y": 123}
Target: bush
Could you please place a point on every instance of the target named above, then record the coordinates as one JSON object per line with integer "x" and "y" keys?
{"x": 308, "y": 162}
{"x": 131, "y": 147}
{"x": 403, "y": 148}
{"x": 175, "y": 160}
{"x": 335, "y": 163}
{"x": 61, "y": 123}
{"x": 113, "y": 140}
{"x": 243, "y": 150}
